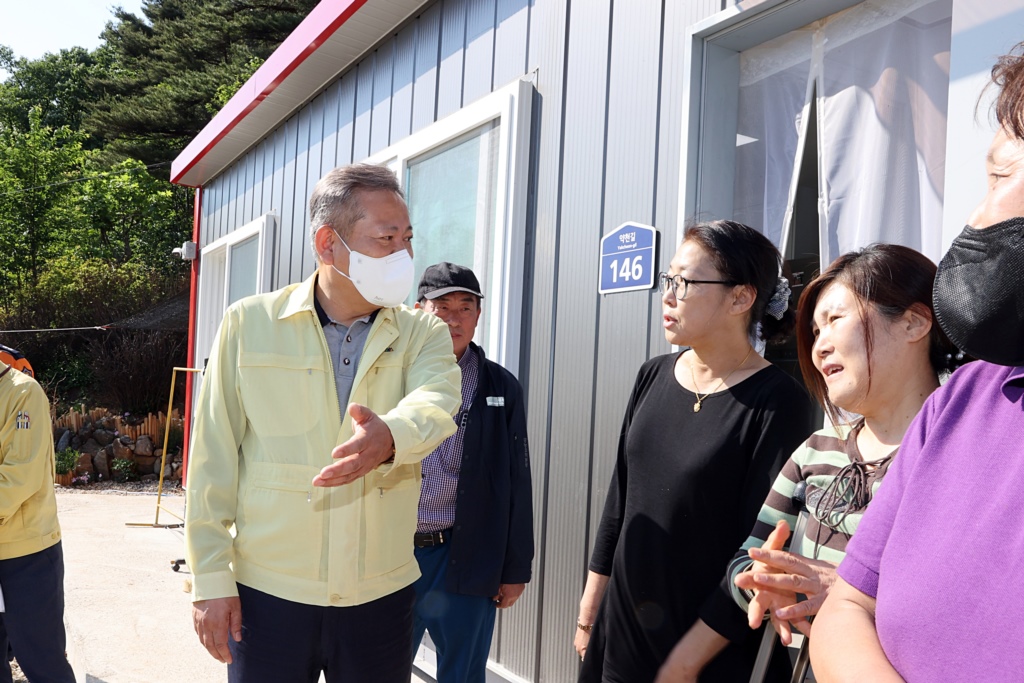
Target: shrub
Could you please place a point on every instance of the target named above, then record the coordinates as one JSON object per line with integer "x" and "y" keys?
{"x": 123, "y": 470}
{"x": 134, "y": 366}
{"x": 66, "y": 460}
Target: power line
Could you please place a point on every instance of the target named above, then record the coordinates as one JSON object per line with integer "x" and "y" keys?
{"x": 84, "y": 178}
{"x": 59, "y": 329}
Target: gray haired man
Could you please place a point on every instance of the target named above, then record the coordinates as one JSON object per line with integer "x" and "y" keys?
{"x": 318, "y": 403}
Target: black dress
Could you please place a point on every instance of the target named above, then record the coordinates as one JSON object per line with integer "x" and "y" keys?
{"x": 684, "y": 495}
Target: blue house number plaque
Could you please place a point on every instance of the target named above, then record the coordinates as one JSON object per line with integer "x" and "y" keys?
{"x": 627, "y": 258}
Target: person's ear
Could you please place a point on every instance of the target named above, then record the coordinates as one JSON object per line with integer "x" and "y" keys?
{"x": 417, "y": 305}
{"x": 916, "y": 322}
{"x": 743, "y": 299}
{"x": 323, "y": 241}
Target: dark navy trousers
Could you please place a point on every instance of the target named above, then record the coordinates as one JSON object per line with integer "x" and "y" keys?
{"x": 461, "y": 626}
{"x": 33, "y": 620}
{"x": 290, "y": 642}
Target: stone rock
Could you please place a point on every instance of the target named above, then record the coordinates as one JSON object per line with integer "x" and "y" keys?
{"x": 147, "y": 464}
{"x": 175, "y": 471}
{"x": 64, "y": 440}
{"x": 86, "y": 431}
{"x": 178, "y": 458}
{"x": 84, "y": 465}
{"x": 76, "y": 442}
{"x": 103, "y": 437}
{"x": 144, "y": 446}
{"x": 122, "y": 451}
{"x": 125, "y": 440}
{"x": 90, "y": 447}
{"x": 157, "y": 452}
{"x": 149, "y": 477}
{"x": 101, "y": 463}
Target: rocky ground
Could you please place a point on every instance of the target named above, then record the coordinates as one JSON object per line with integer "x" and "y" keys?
{"x": 172, "y": 487}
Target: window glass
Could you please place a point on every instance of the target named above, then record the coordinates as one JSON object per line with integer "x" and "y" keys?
{"x": 451, "y": 194}
{"x": 242, "y": 280}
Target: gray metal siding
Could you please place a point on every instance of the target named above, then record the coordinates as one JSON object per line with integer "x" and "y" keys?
{"x": 479, "y": 66}
{"x": 402, "y": 83}
{"x": 425, "y": 67}
{"x": 576, "y": 319}
{"x": 380, "y": 122}
{"x": 364, "y": 108}
{"x": 605, "y": 149}
{"x": 453, "y": 52}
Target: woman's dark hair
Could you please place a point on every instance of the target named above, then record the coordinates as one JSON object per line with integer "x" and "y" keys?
{"x": 746, "y": 257}
{"x": 891, "y": 278}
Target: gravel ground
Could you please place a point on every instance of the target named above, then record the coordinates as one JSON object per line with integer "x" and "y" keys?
{"x": 110, "y": 488}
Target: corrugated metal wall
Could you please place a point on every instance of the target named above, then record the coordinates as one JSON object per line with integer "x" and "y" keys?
{"x": 605, "y": 150}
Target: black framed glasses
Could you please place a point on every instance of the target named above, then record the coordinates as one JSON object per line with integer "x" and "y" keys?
{"x": 667, "y": 281}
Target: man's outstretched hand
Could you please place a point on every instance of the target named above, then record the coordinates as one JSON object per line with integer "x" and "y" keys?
{"x": 371, "y": 444}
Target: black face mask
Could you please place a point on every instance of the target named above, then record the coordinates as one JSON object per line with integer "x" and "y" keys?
{"x": 979, "y": 292}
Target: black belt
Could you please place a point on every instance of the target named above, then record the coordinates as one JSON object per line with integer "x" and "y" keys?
{"x": 430, "y": 539}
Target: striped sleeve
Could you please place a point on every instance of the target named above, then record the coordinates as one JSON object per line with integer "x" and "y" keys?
{"x": 816, "y": 463}
{"x": 778, "y": 505}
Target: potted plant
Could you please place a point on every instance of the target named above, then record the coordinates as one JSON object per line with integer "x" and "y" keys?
{"x": 64, "y": 464}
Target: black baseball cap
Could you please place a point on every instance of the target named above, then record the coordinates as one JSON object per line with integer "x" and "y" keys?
{"x": 445, "y": 278}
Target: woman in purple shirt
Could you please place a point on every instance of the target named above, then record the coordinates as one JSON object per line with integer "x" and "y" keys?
{"x": 923, "y": 593}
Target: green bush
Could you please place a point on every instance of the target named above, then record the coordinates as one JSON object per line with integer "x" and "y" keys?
{"x": 123, "y": 470}
{"x": 66, "y": 460}
{"x": 73, "y": 291}
{"x": 175, "y": 438}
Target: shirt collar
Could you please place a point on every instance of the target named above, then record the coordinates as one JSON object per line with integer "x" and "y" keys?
{"x": 303, "y": 298}
{"x": 1014, "y": 376}
{"x": 468, "y": 358}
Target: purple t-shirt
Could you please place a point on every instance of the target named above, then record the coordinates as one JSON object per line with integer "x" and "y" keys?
{"x": 942, "y": 544}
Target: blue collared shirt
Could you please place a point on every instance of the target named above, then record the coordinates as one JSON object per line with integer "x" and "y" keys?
{"x": 345, "y": 344}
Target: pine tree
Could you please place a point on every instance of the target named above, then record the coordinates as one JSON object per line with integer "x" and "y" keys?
{"x": 169, "y": 64}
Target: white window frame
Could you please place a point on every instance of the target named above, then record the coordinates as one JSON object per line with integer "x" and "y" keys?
{"x": 210, "y": 313}
{"x": 511, "y": 106}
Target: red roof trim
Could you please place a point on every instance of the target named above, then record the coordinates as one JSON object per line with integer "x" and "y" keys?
{"x": 322, "y": 22}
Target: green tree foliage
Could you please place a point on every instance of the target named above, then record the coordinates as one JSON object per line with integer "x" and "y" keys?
{"x": 87, "y": 217}
{"x": 170, "y": 67}
{"x": 131, "y": 216}
{"x": 38, "y": 167}
{"x": 59, "y": 85}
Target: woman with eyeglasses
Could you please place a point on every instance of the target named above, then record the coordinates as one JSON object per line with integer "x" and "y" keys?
{"x": 870, "y": 352}
{"x": 705, "y": 433}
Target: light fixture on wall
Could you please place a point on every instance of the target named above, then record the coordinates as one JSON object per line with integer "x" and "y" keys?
{"x": 187, "y": 251}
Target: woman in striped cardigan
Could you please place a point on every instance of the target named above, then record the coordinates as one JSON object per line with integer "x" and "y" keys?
{"x": 870, "y": 353}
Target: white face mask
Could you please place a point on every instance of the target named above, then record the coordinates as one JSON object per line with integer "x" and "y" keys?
{"x": 384, "y": 281}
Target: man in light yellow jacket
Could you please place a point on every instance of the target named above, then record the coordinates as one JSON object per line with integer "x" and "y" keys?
{"x": 31, "y": 557}
{"x": 318, "y": 403}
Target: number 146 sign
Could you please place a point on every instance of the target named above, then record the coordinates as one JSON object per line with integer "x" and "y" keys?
{"x": 627, "y": 258}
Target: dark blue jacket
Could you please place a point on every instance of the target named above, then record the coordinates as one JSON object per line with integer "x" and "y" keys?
{"x": 492, "y": 539}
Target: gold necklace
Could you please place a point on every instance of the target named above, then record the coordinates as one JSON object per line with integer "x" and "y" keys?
{"x": 696, "y": 389}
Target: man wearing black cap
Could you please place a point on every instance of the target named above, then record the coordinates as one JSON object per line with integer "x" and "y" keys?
{"x": 474, "y": 540}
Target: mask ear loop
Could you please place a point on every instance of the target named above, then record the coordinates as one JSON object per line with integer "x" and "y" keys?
{"x": 344, "y": 244}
